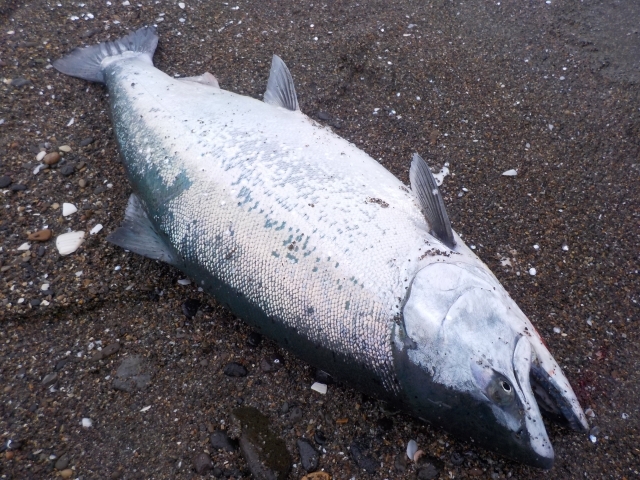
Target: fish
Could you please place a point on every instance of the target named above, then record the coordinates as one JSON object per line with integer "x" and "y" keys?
{"x": 316, "y": 245}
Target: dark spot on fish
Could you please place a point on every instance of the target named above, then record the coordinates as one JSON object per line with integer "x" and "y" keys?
{"x": 382, "y": 203}
{"x": 133, "y": 84}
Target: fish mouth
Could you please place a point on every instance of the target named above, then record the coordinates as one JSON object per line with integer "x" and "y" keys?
{"x": 541, "y": 448}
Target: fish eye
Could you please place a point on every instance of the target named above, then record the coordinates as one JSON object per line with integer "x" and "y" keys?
{"x": 500, "y": 390}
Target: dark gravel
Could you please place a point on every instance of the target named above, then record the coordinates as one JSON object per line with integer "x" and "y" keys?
{"x": 548, "y": 89}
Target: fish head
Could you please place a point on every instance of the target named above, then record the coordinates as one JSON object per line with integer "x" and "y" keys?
{"x": 469, "y": 360}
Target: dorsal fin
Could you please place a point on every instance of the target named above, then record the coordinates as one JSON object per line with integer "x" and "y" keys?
{"x": 280, "y": 90}
{"x": 425, "y": 188}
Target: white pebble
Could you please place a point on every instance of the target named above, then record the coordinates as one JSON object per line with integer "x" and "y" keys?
{"x": 510, "y": 173}
{"x": 24, "y": 246}
{"x": 68, "y": 209}
{"x": 319, "y": 387}
{"x": 45, "y": 286}
{"x": 126, "y": 3}
{"x": 181, "y": 5}
{"x": 593, "y": 438}
{"x": 565, "y": 247}
{"x": 144, "y": 409}
{"x": 532, "y": 271}
{"x": 87, "y": 423}
{"x": 40, "y": 156}
{"x": 625, "y": 416}
{"x": 556, "y": 329}
{"x": 69, "y": 242}
{"x": 96, "y": 229}
{"x": 412, "y": 448}
{"x": 184, "y": 281}
{"x": 73, "y": 119}
{"x": 64, "y": 148}
{"x": 536, "y": 247}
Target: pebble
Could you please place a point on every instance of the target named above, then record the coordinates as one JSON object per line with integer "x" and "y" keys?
{"x": 86, "y": 423}
{"x": 324, "y": 116}
{"x": 62, "y": 462}
{"x": 295, "y": 414}
{"x": 18, "y": 187}
{"x": 64, "y": 148}
{"x": 271, "y": 364}
{"x": 317, "y": 476}
{"x": 66, "y": 473}
{"x": 5, "y": 181}
{"x": 82, "y": 183}
{"x": 131, "y": 375}
{"x": 68, "y": 209}
{"x": 319, "y": 387}
{"x": 68, "y": 243}
{"x": 221, "y": 441}
{"x": 49, "y": 379}
{"x": 19, "y": 82}
{"x": 190, "y": 307}
{"x": 412, "y": 448}
{"x": 106, "y": 351}
{"x": 362, "y": 459}
{"x": 86, "y": 141}
{"x": 532, "y": 271}
{"x": 96, "y": 228}
{"x": 202, "y": 463}
{"x": 234, "y": 369}
{"x": 51, "y": 158}
{"x": 457, "y": 459}
{"x": 320, "y": 438}
{"x": 254, "y": 339}
{"x": 24, "y": 247}
{"x": 40, "y": 235}
{"x": 308, "y": 455}
{"x": 67, "y": 170}
{"x": 510, "y": 173}
{"x": 428, "y": 472}
{"x": 40, "y": 155}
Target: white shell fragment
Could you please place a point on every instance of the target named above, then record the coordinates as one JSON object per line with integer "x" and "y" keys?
{"x": 412, "y": 448}
{"x": 40, "y": 156}
{"x": 68, "y": 209}
{"x": 45, "y": 286}
{"x": 87, "y": 423}
{"x": 184, "y": 281}
{"x": 319, "y": 387}
{"x": 510, "y": 173}
{"x": 96, "y": 228}
{"x": 144, "y": 409}
{"x": 24, "y": 246}
{"x": 69, "y": 242}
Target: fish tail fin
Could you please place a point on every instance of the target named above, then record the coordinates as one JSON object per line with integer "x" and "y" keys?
{"x": 87, "y": 63}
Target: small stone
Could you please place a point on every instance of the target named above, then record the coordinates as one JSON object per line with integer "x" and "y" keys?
{"x": 86, "y": 141}
{"x": 18, "y": 187}
{"x": 202, "y": 463}
{"x": 64, "y": 148}
{"x": 510, "y": 173}
{"x": 428, "y": 472}
{"x": 68, "y": 209}
{"x": 62, "y": 462}
{"x": 457, "y": 459}
{"x": 67, "y": 170}
{"x": 5, "y": 181}
{"x": 234, "y": 369}
{"x": 433, "y": 137}
{"x": 400, "y": 463}
{"x": 34, "y": 302}
{"x": 254, "y": 339}
{"x": 362, "y": 459}
{"x": 319, "y": 387}
{"x": 324, "y": 116}
{"x": 190, "y": 307}
{"x": 82, "y": 183}
{"x": 51, "y": 158}
{"x": 86, "y": 423}
{"x": 221, "y": 441}
{"x": 19, "y": 82}
{"x": 317, "y": 476}
{"x": 40, "y": 235}
{"x": 106, "y": 351}
{"x": 50, "y": 379}
{"x": 61, "y": 364}
{"x": 66, "y": 473}
{"x": 295, "y": 414}
{"x": 40, "y": 155}
{"x": 131, "y": 375}
{"x": 308, "y": 455}
{"x": 320, "y": 438}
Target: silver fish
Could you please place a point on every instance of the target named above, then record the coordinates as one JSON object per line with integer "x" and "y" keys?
{"x": 315, "y": 244}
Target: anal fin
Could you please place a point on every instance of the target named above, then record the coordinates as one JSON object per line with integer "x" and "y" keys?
{"x": 280, "y": 89}
{"x": 138, "y": 234}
